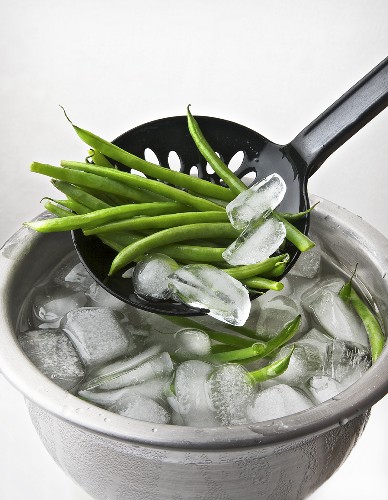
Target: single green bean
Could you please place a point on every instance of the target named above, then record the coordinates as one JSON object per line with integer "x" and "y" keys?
{"x": 99, "y": 159}
{"x": 172, "y": 235}
{"x": 160, "y": 221}
{"x": 372, "y": 326}
{"x": 90, "y": 180}
{"x": 272, "y": 370}
{"x": 195, "y": 253}
{"x": 77, "y": 194}
{"x": 277, "y": 271}
{"x": 251, "y": 270}
{"x": 234, "y": 183}
{"x": 146, "y": 185}
{"x": 225, "y": 338}
{"x": 300, "y": 240}
{"x": 52, "y": 207}
{"x": 262, "y": 283}
{"x": 104, "y": 215}
{"x": 295, "y": 217}
{"x": 165, "y": 174}
{"x": 237, "y": 355}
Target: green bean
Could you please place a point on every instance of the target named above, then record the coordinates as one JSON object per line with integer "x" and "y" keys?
{"x": 234, "y": 183}
{"x": 277, "y": 271}
{"x": 261, "y": 350}
{"x": 165, "y": 174}
{"x": 251, "y": 270}
{"x": 225, "y": 338}
{"x": 372, "y": 326}
{"x": 195, "y": 252}
{"x": 237, "y": 355}
{"x": 52, "y": 207}
{"x": 104, "y": 215}
{"x": 272, "y": 370}
{"x": 262, "y": 283}
{"x": 99, "y": 159}
{"x": 167, "y": 236}
{"x": 285, "y": 334}
{"x": 295, "y": 217}
{"x": 146, "y": 185}
{"x": 300, "y": 240}
{"x": 160, "y": 221}
{"x": 79, "y": 195}
{"x": 90, "y": 180}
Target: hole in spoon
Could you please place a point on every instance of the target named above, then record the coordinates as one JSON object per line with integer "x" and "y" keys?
{"x": 150, "y": 156}
{"x": 174, "y": 161}
{"x": 236, "y": 161}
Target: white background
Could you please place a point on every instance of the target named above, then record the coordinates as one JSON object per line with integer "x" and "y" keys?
{"x": 271, "y": 65}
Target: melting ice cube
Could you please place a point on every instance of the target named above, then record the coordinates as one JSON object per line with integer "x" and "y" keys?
{"x": 276, "y": 402}
{"x": 191, "y": 342}
{"x": 335, "y": 317}
{"x": 150, "y": 276}
{"x": 252, "y": 203}
{"x": 132, "y": 372}
{"x": 50, "y": 305}
{"x": 191, "y": 400}
{"x": 140, "y": 407}
{"x": 323, "y": 388}
{"x": 231, "y": 392}
{"x": 207, "y": 287}
{"x": 276, "y": 313}
{"x": 54, "y": 355}
{"x": 97, "y": 334}
{"x": 308, "y": 263}
{"x": 99, "y": 297}
{"x": 256, "y": 243}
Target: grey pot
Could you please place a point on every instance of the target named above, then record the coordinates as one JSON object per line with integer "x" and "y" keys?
{"x": 116, "y": 458}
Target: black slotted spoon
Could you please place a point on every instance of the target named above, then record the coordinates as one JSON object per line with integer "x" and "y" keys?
{"x": 295, "y": 162}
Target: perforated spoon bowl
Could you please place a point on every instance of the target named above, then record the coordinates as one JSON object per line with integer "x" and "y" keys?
{"x": 295, "y": 162}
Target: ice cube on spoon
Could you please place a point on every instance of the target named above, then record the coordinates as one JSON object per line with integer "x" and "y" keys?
{"x": 206, "y": 286}
{"x": 257, "y": 242}
{"x": 252, "y": 203}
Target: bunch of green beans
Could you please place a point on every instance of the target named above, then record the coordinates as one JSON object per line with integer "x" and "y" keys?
{"x": 246, "y": 347}
{"x": 166, "y": 212}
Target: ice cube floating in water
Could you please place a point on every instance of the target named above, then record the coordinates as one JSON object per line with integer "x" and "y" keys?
{"x": 141, "y": 365}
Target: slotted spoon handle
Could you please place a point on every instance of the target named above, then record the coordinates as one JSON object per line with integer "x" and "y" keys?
{"x": 343, "y": 119}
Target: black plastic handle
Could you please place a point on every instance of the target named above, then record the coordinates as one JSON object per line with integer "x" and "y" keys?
{"x": 343, "y": 119}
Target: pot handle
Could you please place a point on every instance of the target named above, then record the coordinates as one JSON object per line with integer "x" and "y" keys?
{"x": 343, "y": 119}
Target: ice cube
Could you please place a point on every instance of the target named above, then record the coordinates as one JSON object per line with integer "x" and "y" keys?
{"x": 191, "y": 342}
{"x": 150, "y": 276}
{"x": 334, "y": 316}
{"x": 307, "y": 360}
{"x": 276, "y": 402}
{"x": 97, "y": 334}
{"x": 252, "y": 203}
{"x": 141, "y": 408}
{"x": 231, "y": 392}
{"x": 191, "y": 400}
{"x": 323, "y": 388}
{"x": 154, "y": 389}
{"x": 54, "y": 355}
{"x": 256, "y": 243}
{"x": 111, "y": 377}
{"x": 99, "y": 297}
{"x": 70, "y": 273}
{"x": 308, "y": 263}
{"x": 49, "y": 305}
{"x": 207, "y": 287}
{"x": 346, "y": 360}
{"x": 276, "y": 313}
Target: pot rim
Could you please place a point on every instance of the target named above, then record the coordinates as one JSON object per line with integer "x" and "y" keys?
{"x": 40, "y": 390}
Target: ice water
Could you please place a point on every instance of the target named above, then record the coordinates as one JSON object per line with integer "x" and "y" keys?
{"x": 144, "y": 366}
